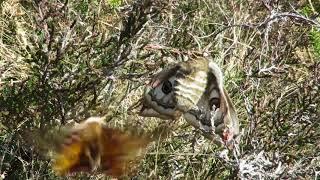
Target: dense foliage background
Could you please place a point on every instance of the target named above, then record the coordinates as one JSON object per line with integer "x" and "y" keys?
{"x": 63, "y": 61}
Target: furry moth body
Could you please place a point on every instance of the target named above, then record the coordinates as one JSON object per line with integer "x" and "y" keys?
{"x": 195, "y": 90}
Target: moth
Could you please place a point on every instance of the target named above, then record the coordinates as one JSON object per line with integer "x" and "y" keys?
{"x": 91, "y": 146}
{"x": 193, "y": 89}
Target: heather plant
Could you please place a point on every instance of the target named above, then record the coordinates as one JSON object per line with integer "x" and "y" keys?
{"x": 64, "y": 61}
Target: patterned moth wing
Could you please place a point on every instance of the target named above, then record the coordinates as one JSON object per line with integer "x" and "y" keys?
{"x": 93, "y": 147}
{"x": 175, "y": 90}
{"x": 215, "y": 114}
{"x": 195, "y": 89}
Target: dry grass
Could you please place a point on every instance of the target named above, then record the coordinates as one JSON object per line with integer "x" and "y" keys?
{"x": 67, "y": 60}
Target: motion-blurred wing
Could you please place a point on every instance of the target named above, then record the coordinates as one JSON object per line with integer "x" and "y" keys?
{"x": 93, "y": 147}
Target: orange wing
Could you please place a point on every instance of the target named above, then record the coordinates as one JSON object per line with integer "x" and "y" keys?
{"x": 92, "y": 146}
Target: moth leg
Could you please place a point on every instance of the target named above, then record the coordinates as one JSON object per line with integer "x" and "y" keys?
{"x": 213, "y": 114}
{"x": 216, "y": 119}
{"x": 218, "y": 126}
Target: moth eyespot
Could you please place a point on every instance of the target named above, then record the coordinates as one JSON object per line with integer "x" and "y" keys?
{"x": 166, "y": 87}
{"x": 215, "y": 102}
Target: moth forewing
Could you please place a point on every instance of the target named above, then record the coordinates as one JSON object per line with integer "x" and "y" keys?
{"x": 158, "y": 100}
{"x": 163, "y": 108}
